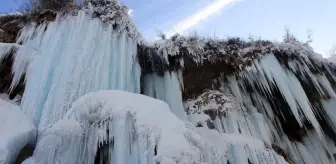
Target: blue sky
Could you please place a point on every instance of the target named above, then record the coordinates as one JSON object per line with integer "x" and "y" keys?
{"x": 260, "y": 18}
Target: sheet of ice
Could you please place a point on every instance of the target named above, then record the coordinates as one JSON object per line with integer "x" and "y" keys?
{"x": 330, "y": 109}
{"x": 16, "y": 131}
{"x": 126, "y": 128}
{"x": 317, "y": 149}
{"x": 310, "y": 150}
{"x": 72, "y": 56}
{"x": 324, "y": 82}
{"x": 168, "y": 89}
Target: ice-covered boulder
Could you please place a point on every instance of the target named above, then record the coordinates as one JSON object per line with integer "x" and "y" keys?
{"x": 16, "y": 131}
{"x": 123, "y": 127}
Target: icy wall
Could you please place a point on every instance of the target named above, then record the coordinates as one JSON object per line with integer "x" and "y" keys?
{"x": 68, "y": 58}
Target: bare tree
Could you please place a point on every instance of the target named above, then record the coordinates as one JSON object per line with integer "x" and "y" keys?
{"x": 309, "y": 36}
{"x": 289, "y": 37}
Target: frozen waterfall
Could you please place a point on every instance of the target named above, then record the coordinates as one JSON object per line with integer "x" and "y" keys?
{"x": 68, "y": 58}
{"x": 84, "y": 73}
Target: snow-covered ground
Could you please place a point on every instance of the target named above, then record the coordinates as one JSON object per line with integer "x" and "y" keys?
{"x": 16, "y": 131}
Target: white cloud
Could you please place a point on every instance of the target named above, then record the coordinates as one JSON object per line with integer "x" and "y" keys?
{"x": 199, "y": 16}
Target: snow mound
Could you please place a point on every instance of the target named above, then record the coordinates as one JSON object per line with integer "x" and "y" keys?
{"x": 17, "y": 130}
{"x": 124, "y": 127}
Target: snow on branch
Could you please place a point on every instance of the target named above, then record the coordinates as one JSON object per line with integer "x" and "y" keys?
{"x": 112, "y": 12}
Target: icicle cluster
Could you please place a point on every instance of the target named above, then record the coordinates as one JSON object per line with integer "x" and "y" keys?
{"x": 245, "y": 130}
{"x": 68, "y": 58}
{"x": 266, "y": 76}
{"x": 311, "y": 150}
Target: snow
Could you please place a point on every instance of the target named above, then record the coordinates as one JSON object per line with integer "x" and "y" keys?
{"x": 15, "y": 101}
{"x": 231, "y": 138}
{"x": 72, "y": 56}
{"x": 11, "y": 14}
{"x": 17, "y": 131}
{"x": 129, "y": 129}
{"x": 211, "y": 100}
{"x": 114, "y": 13}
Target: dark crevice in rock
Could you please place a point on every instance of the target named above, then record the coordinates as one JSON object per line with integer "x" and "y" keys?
{"x": 25, "y": 153}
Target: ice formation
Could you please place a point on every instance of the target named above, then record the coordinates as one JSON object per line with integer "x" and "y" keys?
{"x": 17, "y": 131}
{"x": 105, "y": 124}
{"x": 255, "y": 89}
{"x": 72, "y": 56}
{"x": 166, "y": 88}
{"x": 268, "y": 73}
{"x": 246, "y": 133}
